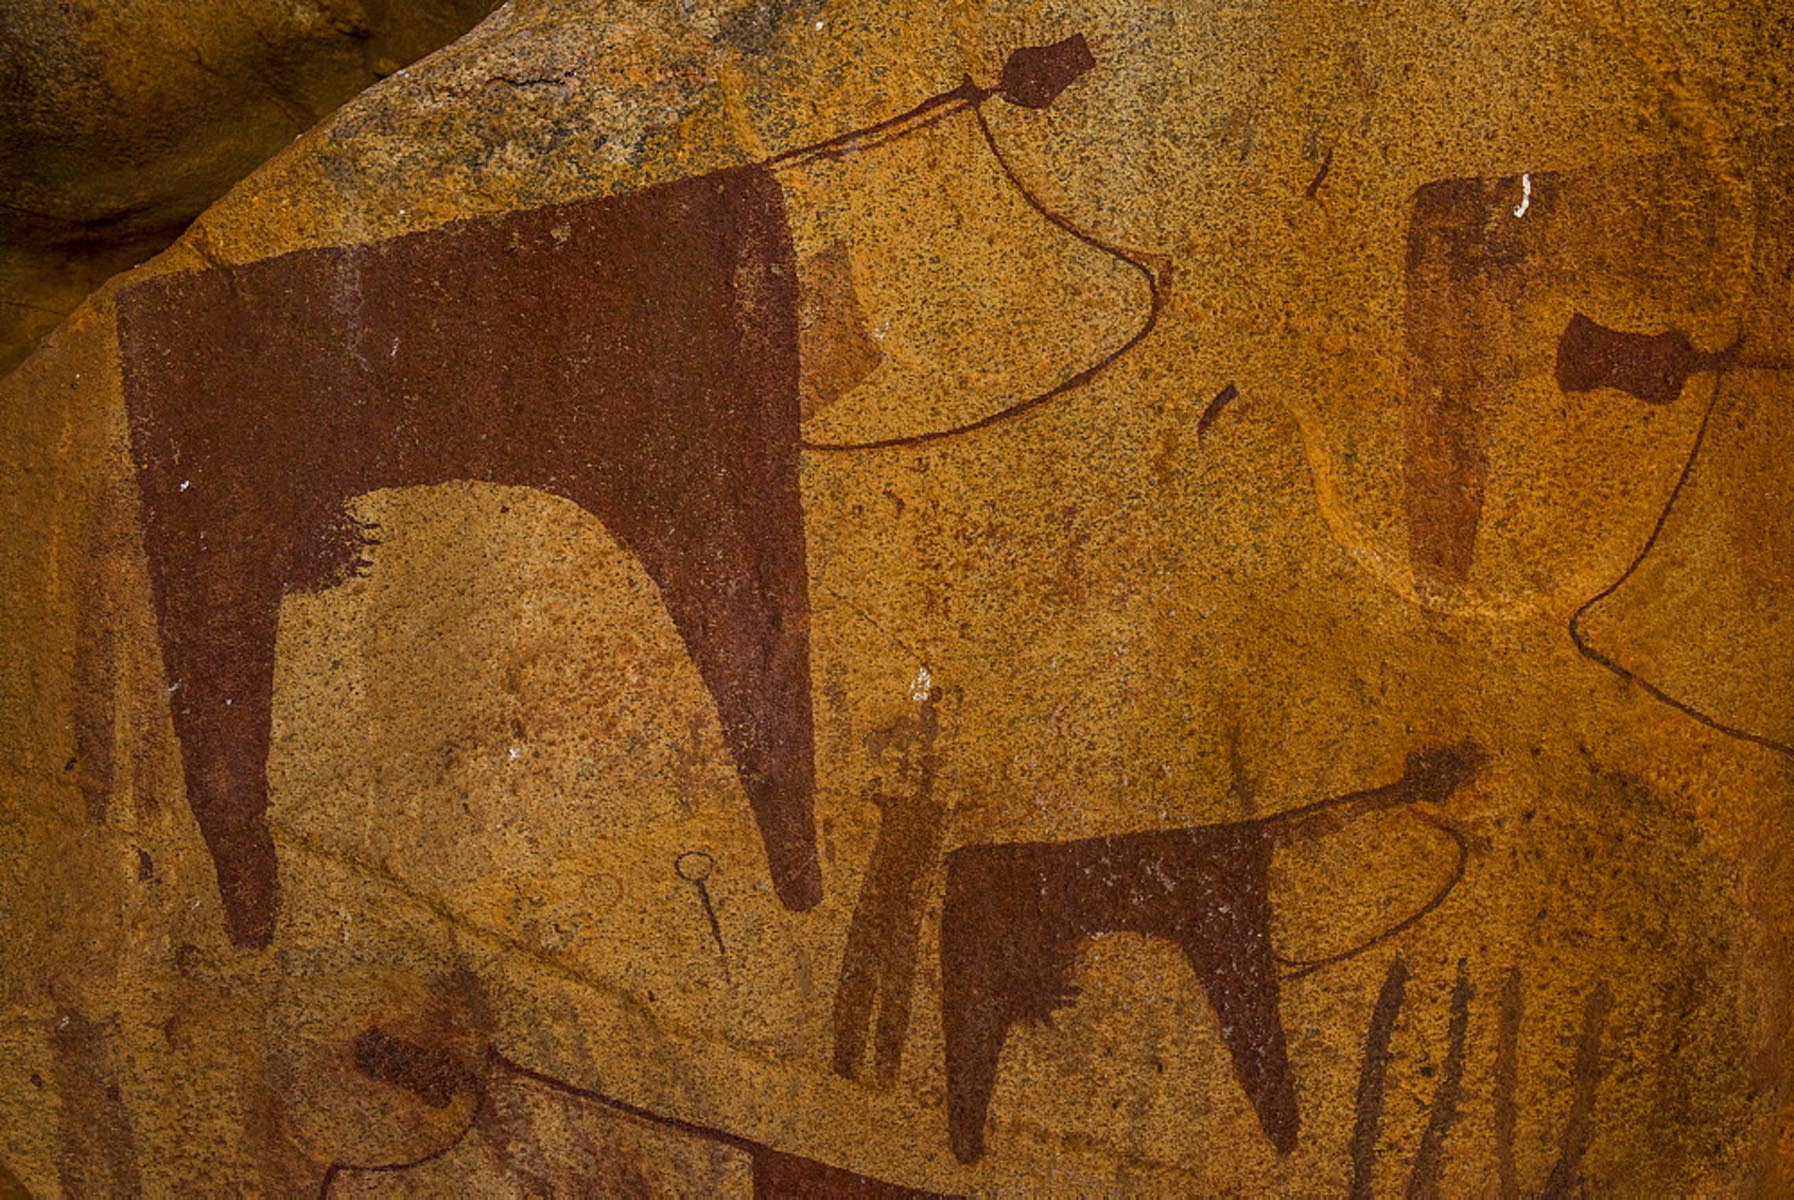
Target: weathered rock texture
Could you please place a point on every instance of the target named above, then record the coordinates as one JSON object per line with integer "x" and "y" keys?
{"x": 1208, "y": 613}
{"x": 121, "y": 119}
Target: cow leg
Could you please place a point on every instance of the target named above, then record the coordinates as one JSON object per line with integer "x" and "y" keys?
{"x": 227, "y": 786}
{"x": 978, "y": 976}
{"x": 218, "y": 602}
{"x": 746, "y": 624}
{"x": 999, "y": 963}
{"x": 1226, "y": 936}
{"x": 723, "y": 538}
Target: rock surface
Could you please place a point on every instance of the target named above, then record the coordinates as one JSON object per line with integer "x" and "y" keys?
{"x": 1205, "y": 615}
{"x": 121, "y": 121}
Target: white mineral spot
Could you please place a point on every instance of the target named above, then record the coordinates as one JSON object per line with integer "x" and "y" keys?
{"x": 515, "y": 753}
{"x": 1525, "y": 195}
{"x": 918, "y": 688}
{"x": 185, "y": 484}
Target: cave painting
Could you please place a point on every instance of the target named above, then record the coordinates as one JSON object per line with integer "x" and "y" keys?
{"x": 1465, "y": 271}
{"x": 1679, "y": 581}
{"x": 656, "y": 358}
{"x": 1650, "y": 367}
{"x": 563, "y": 1139}
{"x": 1564, "y": 1177}
{"x": 1685, "y": 615}
{"x": 1489, "y": 259}
{"x": 878, "y": 963}
{"x": 1016, "y": 913}
{"x": 636, "y": 354}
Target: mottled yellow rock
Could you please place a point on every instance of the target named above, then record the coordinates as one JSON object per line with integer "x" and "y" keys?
{"x": 1323, "y": 531}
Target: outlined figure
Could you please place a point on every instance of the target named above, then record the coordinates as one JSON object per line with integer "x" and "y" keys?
{"x": 1680, "y": 665}
{"x": 1015, "y": 915}
{"x": 557, "y": 1138}
{"x": 636, "y": 354}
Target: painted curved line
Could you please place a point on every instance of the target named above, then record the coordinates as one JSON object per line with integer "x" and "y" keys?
{"x": 496, "y": 1059}
{"x": 1307, "y": 966}
{"x": 1588, "y": 651}
{"x": 481, "y": 1096}
{"x": 1711, "y": 133}
{"x": 504, "y": 1062}
{"x": 929, "y": 113}
{"x": 1223, "y": 398}
{"x": 759, "y": 1153}
{"x": 967, "y": 93}
{"x": 1157, "y": 283}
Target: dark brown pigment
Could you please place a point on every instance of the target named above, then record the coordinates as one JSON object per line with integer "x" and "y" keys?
{"x": 1467, "y": 265}
{"x": 635, "y": 354}
{"x": 1585, "y": 1080}
{"x": 1033, "y": 76}
{"x": 1015, "y": 915}
{"x": 878, "y": 966}
{"x": 1652, "y": 367}
{"x": 781, "y": 1176}
{"x": 1372, "y": 1075}
{"x": 1223, "y": 398}
{"x": 777, "y": 1175}
{"x": 1507, "y": 1072}
{"x": 96, "y": 1153}
{"x": 433, "y": 1076}
{"x": 1429, "y": 1160}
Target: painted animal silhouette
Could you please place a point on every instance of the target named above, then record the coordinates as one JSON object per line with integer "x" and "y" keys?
{"x": 636, "y": 354}
{"x": 1016, "y": 913}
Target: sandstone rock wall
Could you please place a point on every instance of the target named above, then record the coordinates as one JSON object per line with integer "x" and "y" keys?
{"x": 1246, "y": 548}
